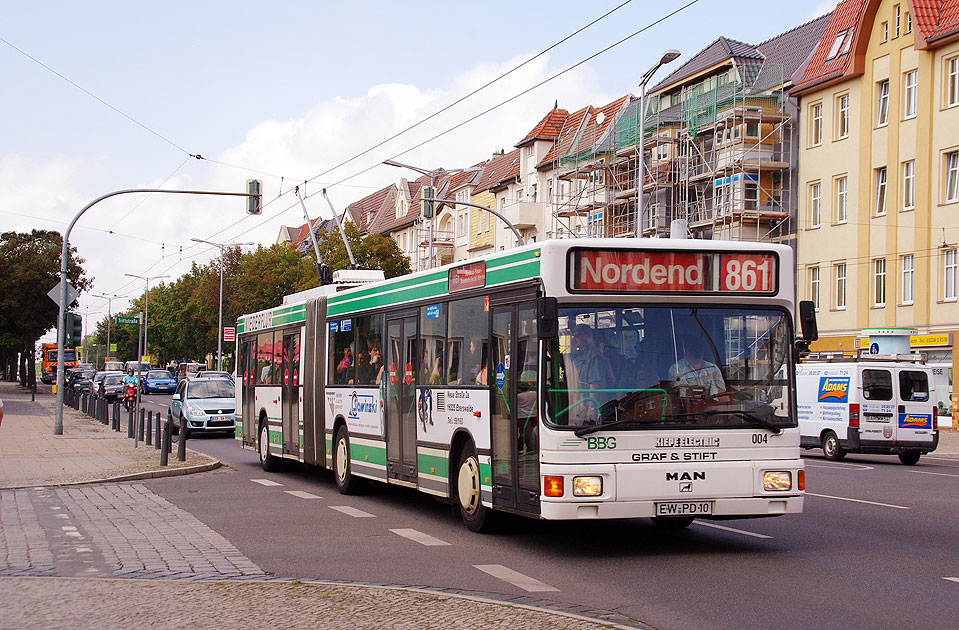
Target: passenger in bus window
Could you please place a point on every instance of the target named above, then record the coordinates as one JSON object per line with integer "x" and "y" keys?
{"x": 692, "y": 369}
{"x": 475, "y": 363}
{"x": 590, "y": 368}
{"x": 344, "y": 367}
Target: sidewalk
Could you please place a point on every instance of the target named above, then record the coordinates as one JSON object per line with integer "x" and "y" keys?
{"x": 79, "y": 549}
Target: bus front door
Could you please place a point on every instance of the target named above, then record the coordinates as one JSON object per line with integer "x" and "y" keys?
{"x": 247, "y": 370}
{"x": 514, "y": 405}
{"x": 291, "y": 394}
{"x": 401, "y": 399}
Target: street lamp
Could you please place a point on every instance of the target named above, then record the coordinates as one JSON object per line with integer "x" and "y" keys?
{"x": 219, "y": 326}
{"x": 432, "y": 175}
{"x": 668, "y": 56}
{"x": 109, "y": 299}
{"x": 86, "y": 332}
{"x": 146, "y": 313}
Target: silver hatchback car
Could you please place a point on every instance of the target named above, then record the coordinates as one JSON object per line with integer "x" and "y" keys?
{"x": 207, "y": 405}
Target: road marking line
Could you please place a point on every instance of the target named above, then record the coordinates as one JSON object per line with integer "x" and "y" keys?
{"x": 420, "y": 537}
{"x": 515, "y": 578}
{"x": 952, "y": 579}
{"x": 923, "y": 472}
{"x": 730, "y": 529}
{"x": 889, "y": 505}
{"x": 69, "y": 528}
{"x": 266, "y": 482}
{"x": 352, "y": 511}
{"x": 74, "y": 534}
{"x": 301, "y": 494}
{"x": 841, "y": 466}
{"x": 62, "y": 515}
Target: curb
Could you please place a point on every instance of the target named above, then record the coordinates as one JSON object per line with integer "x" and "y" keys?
{"x": 147, "y": 474}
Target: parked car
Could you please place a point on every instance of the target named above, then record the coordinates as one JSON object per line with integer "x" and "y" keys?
{"x": 160, "y": 381}
{"x": 111, "y": 387}
{"x": 80, "y": 380}
{"x": 207, "y": 405}
{"x": 188, "y": 370}
{"x": 95, "y": 383}
{"x": 113, "y": 366}
{"x": 214, "y": 374}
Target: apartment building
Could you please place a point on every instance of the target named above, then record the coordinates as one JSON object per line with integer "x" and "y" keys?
{"x": 879, "y": 169}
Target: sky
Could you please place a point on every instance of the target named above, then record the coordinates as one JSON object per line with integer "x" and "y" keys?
{"x": 107, "y": 96}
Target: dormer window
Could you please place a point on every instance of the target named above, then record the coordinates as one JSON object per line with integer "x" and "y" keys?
{"x": 837, "y": 45}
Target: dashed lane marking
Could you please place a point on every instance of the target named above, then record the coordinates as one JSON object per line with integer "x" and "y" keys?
{"x": 352, "y": 511}
{"x": 952, "y": 579}
{"x": 420, "y": 537}
{"x": 888, "y": 505}
{"x": 515, "y": 578}
{"x": 266, "y": 482}
{"x": 731, "y": 529}
{"x": 300, "y": 494}
{"x": 925, "y": 472}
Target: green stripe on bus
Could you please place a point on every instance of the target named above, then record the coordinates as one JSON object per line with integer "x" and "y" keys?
{"x": 388, "y": 299}
{"x": 329, "y": 446}
{"x": 433, "y": 465}
{"x": 529, "y": 269}
{"x": 486, "y": 474}
{"x": 368, "y": 454}
{"x": 389, "y": 285}
{"x": 511, "y": 258}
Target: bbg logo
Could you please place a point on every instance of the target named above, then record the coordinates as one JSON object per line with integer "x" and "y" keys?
{"x": 600, "y": 443}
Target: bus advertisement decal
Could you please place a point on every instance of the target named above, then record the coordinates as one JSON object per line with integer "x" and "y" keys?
{"x": 439, "y": 416}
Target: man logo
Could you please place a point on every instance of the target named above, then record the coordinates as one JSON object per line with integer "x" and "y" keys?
{"x": 686, "y": 487}
{"x": 686, "y": 476}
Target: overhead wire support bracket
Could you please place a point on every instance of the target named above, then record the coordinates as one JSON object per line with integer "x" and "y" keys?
{"x": 339, "y": 224}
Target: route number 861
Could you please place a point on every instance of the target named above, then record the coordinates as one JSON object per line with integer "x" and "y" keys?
{"x": 747, "y": 273}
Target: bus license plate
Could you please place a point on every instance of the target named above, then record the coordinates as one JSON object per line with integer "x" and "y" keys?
{"x": 684, "y": 508}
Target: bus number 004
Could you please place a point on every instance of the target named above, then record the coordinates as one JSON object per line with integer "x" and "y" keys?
{"x": 760, "y": 438}
{"x": 747, "y": 275}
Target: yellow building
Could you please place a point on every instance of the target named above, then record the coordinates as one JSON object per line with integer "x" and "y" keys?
{"x": 879, "y": 175}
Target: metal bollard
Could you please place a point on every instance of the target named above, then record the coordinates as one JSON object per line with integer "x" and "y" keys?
{"x": 116, "y": 416}
{"x": 149, "y": 428}
{"x": 165, "y": 448}
{"x": 130, "y": 424}
{"x": 156, "y": 440}
{"x": 140, "y": 425}
{"x": 181, "y": 442}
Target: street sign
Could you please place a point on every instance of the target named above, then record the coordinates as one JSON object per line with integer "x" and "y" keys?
{"x": 229, "y": 333}
{"x": 72, "y": 293}
{"x": 128, "y": 321}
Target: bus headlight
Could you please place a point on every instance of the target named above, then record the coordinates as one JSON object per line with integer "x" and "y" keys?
{"x": 587, "y": 486}
{"x": 777, "y": 480}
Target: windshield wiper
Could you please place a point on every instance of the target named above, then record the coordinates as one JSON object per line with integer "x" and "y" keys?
{"x": 745, "y": 415}
{"x": 593, "y": 428}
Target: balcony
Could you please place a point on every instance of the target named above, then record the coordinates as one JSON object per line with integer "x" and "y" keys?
{"x": 524, "y": 214}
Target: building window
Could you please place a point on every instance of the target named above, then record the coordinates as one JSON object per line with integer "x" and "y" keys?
{"x": 908, "y": 23}
{"x": 952, "y": 85}
{"x": 879, "y": 277}
{"x": 952, "y": 177}
{"x": 882, "y": 103}
{"x": 880, "y": 191}
{"x": 842, "y": 196}
{"x": 815, "y": 138}
{"x": 815, "y": 205}
{"x": 909, "y": 83}
{"x": 836, "y": 45}
{"x": 814, "y": 286}
{"x": 884, "y": 29}
{"x": 751, "y": 192}
{"x": 841, "y": 286}
{"x": 898, "y": 12}
{"x": 949, "y": 265}
{"x": 909, "y": 185}
{"x": 842, "y": 111}
{"x": 908, "y": 272}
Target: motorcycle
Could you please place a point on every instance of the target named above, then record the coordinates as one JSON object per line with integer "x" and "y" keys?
{"x": 130, "y": 398}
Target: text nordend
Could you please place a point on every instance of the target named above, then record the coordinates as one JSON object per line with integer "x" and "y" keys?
{"x": 671, "y": 271}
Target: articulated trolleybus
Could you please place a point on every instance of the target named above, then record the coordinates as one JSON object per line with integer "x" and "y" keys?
{"x": 568, "y": 379}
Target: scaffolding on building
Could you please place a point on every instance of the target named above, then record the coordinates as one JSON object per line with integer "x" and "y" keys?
{"x": 719, "y": 158}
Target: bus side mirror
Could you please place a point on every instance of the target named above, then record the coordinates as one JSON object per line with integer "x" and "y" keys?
{"x": 547, "y": 318}
{"x": 807, "y": 320}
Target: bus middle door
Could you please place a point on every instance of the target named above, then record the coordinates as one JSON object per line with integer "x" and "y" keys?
{"x": 401, "y": 399}
{"x": 247, "y": 372}
{"x": 291, "y": 393}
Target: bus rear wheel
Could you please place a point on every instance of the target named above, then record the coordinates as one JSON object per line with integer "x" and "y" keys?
{"x": 476, "y": 516}
{"x": 267, "y": 461}
{"x": 346, "y": 483}
{"x": 831, "y": 447}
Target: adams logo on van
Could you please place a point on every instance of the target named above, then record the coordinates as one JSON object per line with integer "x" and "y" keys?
{"x": 915, "y": 421}
{"x": 833, "y": 389}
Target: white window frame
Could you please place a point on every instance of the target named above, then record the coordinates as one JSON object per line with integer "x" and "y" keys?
{"x": 952, "y": 81}
{"x": 836, "y": 45}
{"x": 842, "y": 111}
{"x": 898, "y": 13}
{"x": 907, "y": 267}
{"x": 951, "y": 180}
{"x": 840, "y": 275}
{"x": 842, "y": 199}
{"x": 815, "y": 128}
{"x": 885, "y": 32}
{"x": 909, "y": 185}
{"x": 950, "y": 265}
{"x": 908, "y": 23}
{"x": 880, "y": 180}
{"x": 879, "y": 282}
{"x": 910, "y": 84}
{"x": 814, "y": 286}
{"x": 815, "y": 205}
{"x": 882, "y": 103}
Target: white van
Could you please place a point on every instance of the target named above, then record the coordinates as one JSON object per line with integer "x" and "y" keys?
{"x": 873, "y": 404}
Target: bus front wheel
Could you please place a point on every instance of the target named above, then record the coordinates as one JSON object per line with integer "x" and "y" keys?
{"x": 476, "y": 516}
{"x": 346, "y": 483}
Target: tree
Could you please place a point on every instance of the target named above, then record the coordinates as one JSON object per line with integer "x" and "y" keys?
{"x": 31, "y": 267}
{"x": 371, "y": 251}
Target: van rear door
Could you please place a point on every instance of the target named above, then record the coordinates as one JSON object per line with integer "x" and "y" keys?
{"x": 914, "y": 419}
{"x": 877, "y": 411}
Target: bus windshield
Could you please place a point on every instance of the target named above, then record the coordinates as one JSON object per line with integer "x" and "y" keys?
{"x": 659, "y": 366}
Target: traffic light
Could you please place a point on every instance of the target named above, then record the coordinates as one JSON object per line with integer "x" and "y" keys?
{"x": 72, "y": 330}
{"x": 254, "y": 203}
{"x": 427, "y": 205}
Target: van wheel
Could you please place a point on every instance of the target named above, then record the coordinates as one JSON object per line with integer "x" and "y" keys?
{"x": 909, "y": 459}
{"x": 268, "y": 462}
{"x": 672, "y": 522}
{"x": 346, "y": 483}
{"x": 476, "y": 516}
{"x": 831, "y": 447}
